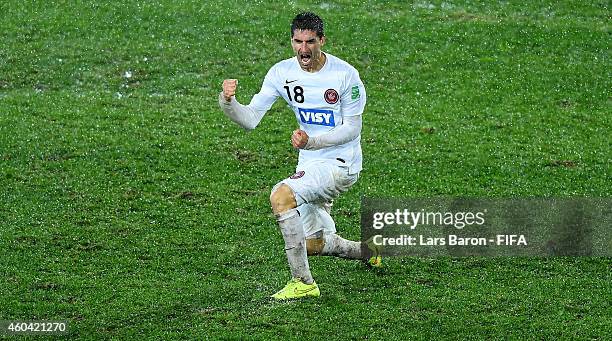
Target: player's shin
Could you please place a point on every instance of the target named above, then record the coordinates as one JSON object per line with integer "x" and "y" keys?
{"x": 339, "y": 247}
{"x": 295, "y": 244}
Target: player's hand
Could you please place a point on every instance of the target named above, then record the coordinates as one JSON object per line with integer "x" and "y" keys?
{"x": 299, "y": 138}
{"x": 229, "y": 88}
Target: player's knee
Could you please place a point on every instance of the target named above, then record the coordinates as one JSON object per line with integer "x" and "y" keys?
{"x": 282, "y": 199}
{"x": 314, "y": 246}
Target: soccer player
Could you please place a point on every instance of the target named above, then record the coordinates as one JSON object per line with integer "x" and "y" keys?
{"x": 328, "y": 99}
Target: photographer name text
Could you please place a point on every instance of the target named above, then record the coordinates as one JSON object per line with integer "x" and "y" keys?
{"x": 450, "y": 240}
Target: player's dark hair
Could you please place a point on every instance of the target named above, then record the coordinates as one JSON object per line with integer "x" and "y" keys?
{"x": 307, "y": 21}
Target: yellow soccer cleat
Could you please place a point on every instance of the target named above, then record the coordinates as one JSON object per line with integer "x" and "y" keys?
{"x": 375, "y": 260}
{"x": 295, "y": 288}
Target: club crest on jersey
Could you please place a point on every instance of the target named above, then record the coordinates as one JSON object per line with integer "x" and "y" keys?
{"x": 331, "y": 96}
{"x": 317, "y": 116}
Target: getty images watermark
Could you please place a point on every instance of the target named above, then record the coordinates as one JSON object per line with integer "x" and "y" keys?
{"x": 488, "y": 227}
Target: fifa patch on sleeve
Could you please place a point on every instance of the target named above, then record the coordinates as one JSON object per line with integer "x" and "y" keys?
{"x": 355, "y": 92}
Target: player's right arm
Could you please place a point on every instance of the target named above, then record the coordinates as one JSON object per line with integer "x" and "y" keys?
{"x": 243, "y": 115}
{"x": 247, "y": 116}
{"x": 229, "y": 89}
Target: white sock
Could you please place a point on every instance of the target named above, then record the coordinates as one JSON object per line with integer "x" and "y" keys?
{"x": 295, "y": 245}
{"x": 340, "y": 247}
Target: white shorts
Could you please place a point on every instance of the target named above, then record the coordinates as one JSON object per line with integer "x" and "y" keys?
{"x": 315, "y": 185}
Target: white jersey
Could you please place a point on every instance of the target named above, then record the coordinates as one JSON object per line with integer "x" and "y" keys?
{"x": 320, "y": 101}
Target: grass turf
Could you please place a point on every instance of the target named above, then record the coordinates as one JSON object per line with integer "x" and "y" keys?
{"x": 132, "y": 207}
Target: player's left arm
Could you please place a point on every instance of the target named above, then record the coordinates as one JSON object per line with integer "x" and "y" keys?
{"x": 352, "y": 105}
{"x": 349, "y": 130}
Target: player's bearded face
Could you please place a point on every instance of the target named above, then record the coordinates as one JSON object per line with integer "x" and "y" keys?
{"x": 307, "y": 47}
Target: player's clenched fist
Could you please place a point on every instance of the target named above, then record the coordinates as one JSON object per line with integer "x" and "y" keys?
{"x": 299, "y": 138}
{"x": 229, "y": 88}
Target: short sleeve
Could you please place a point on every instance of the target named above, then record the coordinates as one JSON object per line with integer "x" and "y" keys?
{"x": 353, "y": 97}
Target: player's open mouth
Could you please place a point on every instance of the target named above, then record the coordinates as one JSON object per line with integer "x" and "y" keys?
{"x": 305, "y": 58}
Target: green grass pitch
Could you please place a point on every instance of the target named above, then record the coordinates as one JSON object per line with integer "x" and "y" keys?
{"x": 132, "y": 207}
